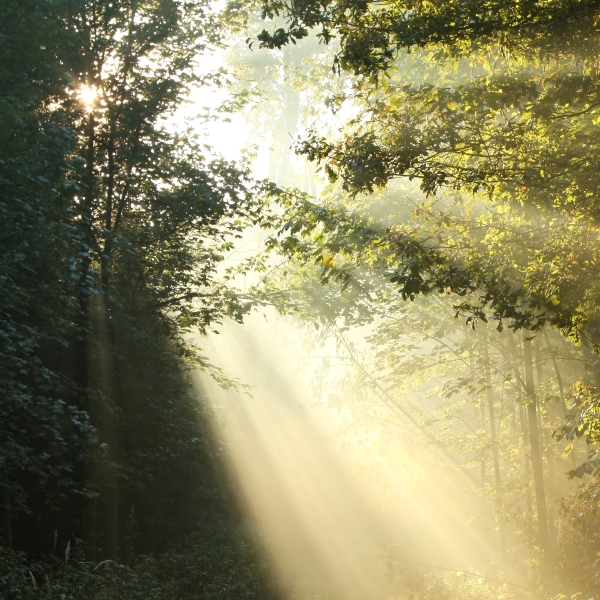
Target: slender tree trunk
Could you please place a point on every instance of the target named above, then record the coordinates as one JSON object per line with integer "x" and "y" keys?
{"x": 6, "y": 519}
{"x": 495, "y": 457}
{"x": 482, "y": 467}
{"x": 545, "y": 440}
{"x": 534, "y": 444}
{"x": 551, "y": 497}
{"x": 111, "y": 532}
{"x": 523, "y": 419}
{"x": 92, "y": 515}
{"x": 559, "y": 378}
{"x": 98, "y": 358}
{"x": 102, "y": 380}
{"x": 516, "y": 366}
{"x": 478, "y": 413}
{"x": 82, "y": 346}
{"x": 288, "y": 122}
{"x": 561, "y": 388}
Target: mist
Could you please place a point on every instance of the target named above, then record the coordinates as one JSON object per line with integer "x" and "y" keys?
{"x": 299, "y": 300}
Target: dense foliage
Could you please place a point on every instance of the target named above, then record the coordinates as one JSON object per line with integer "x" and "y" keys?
{"x": 467, "y": 177}
{"x": 484, "y": 101}
{"x": 112, "y": 228}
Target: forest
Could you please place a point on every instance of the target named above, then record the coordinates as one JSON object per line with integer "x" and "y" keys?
{"x": 300, "y": 300}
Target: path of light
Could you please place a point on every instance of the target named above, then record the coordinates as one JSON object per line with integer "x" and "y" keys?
{"x": 324, "y": 527}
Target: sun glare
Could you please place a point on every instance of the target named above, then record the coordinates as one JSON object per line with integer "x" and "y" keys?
{"x": 88, "y": 94}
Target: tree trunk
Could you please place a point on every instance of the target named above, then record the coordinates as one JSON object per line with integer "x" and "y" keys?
{"x": 478, "y": 413}
{"x": 102, "y": 382}
{"x": 534, "y": 444}
{"x": 559, "y": 379}
{"x": 523, "y": 419}
{"x": 287, "y": 124}
{"x": 516, "y": 366}
{"x": 495, "y": 457}
{"x": 6, "y": 520}
{"x": 545, "y": 440}
{"x": 92, "y": 514}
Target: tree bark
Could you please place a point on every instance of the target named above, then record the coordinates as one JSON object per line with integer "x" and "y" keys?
{"x": 534, "y": 444}
{"x": 102, "y": 372}
{"x": 6, "y": 519}
{"x": 495, "y": 457}
{"x": 92, "y": 514}
{"x": 545, "y": 441}
{"x": 559, "y": 379}
{"x": 523, "y": 419}
{"x": 521, "y": 391}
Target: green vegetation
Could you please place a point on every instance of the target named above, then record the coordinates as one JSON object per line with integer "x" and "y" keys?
{"x": 112, "y": 227}
{"x": 456, "y": 226}
{"x": 465, "y": 183}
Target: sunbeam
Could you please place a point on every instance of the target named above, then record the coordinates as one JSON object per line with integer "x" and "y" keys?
{"x": 325, "y": 527}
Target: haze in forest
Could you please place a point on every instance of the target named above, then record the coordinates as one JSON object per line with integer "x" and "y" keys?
{"x": 299, "y": 301}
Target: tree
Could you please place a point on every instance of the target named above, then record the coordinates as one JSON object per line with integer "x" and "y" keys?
{"x": 495, "y": 126}
{"x": 488, "y": 103}
{"x": 483, "y": 257}
{"x": 113, "y": 228}
{"x": 371, "y": 39}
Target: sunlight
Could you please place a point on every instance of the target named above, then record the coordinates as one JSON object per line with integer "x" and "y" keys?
{"x": 87, "y": 95}
{"x": 326, "y": 528}
{"x": 300, "y": 300}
